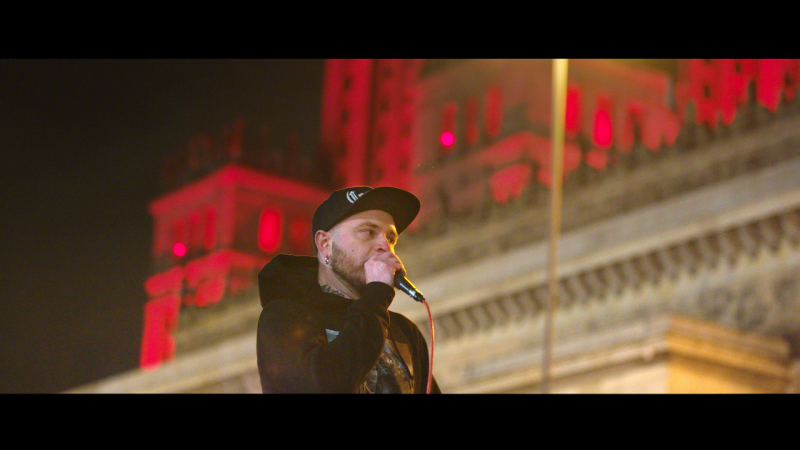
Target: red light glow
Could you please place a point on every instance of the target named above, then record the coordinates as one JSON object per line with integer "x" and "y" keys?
{"x": 447, "y": 139}
{"x": 602, "y": 133}
{"x": 160, "y": 320}
{"x": 573, "y": 111}
{"x": 270, "y": 230}
{"x": 508, "y": 183}
{"x": 210, "y": 291}
{"x": 179, "y": 249}
{"x": 597, "y": 158}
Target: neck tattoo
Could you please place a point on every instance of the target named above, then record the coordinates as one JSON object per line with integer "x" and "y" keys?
{"x": 330, "y": 290}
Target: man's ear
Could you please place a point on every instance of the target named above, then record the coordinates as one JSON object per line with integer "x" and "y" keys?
{"x": 323, "y": 240}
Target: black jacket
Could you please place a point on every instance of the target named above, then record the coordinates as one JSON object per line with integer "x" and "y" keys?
{"x": 310, "y": 341}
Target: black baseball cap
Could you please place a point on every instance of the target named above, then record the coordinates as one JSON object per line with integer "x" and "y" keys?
{"x": 402, "y": 205}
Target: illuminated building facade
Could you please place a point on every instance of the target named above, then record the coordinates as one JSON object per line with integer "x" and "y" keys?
{"x": 232, "y": 204}
{"x": 679, "y": 268}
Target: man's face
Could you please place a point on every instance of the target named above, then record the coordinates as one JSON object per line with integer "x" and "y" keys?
{"x": 358, "y": 238}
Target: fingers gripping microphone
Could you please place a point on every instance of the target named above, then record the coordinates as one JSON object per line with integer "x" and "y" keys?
{"x": 402, "y": 283}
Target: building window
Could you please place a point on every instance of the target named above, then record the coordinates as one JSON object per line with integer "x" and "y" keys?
{"x": 270, "y": 230}
{"x": 472, "y": 128}
{"x": 572, "y": 121}
{"x": 178, "y": 245}
{"x": 299, "y": 233}
{"x": 210, "y": 230}
{"x": 494, "y": 111}
{"x": 602, "y": 129}
{"x": 447, "y": 132}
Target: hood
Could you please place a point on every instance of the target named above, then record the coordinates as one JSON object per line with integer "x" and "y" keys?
{"x": 290, "y": 277}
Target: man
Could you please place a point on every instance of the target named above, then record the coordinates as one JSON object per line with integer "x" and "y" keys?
{"x": 325, "y": 326}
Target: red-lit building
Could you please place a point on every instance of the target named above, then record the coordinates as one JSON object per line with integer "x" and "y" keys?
{"x": 678, "y": 266}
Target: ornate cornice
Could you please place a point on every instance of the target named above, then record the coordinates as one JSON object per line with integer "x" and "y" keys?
{"x": 604, "y": 282}
{"x": 730, "y": 224}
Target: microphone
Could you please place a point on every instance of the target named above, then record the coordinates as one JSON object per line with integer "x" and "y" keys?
{"x": 402, "y": 283}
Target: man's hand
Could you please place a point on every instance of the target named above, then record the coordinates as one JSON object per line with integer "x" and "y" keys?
{"x": 382, "y": 267}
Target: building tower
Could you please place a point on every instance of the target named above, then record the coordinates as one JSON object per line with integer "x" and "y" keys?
{"x": 235, "y": 203}
{"x": 367, "y": 120}
{"x": 232, "y": 205}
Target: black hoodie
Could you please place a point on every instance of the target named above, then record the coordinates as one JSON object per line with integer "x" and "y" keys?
{"x": 310, "y": 341}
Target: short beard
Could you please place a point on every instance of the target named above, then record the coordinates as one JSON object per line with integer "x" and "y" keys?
{"x": 347, "y": 270}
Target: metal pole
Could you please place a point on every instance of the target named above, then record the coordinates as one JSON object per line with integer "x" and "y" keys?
{"x": 559, "y": 100}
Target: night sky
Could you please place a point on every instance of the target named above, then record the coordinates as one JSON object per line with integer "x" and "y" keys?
{"x": 82, "y": 144}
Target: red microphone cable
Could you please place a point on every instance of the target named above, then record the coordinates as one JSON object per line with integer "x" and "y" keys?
{"x": 430, "y": 364}
{"x": 402, "y": 283}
